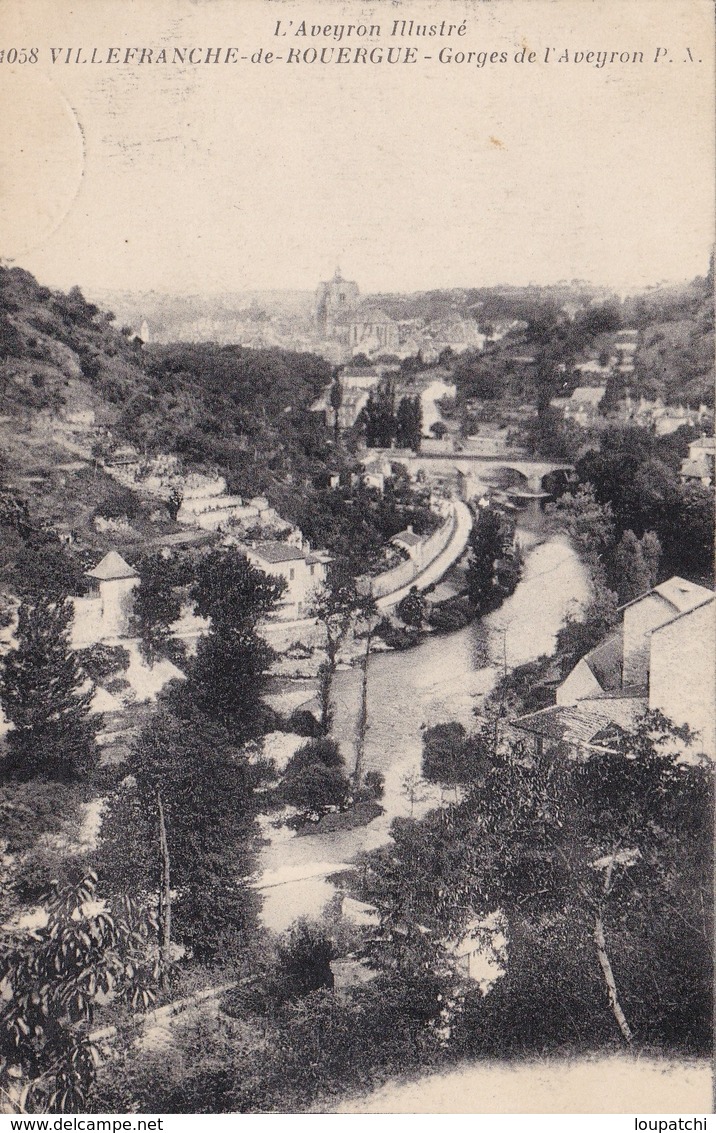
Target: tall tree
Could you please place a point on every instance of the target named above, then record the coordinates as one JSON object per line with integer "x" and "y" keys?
{"x": 408, "y": 423}
{"x": 635, "y": 564}
{"x": 43, "y": 695}
{"x": 184, "y": 833}
{"x": 338, "y": 605}
{"x": 485, "y": 549}
{"x": 601, "y": 865}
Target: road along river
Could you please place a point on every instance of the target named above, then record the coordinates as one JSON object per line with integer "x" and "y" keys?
{"x": 440, "y": 680}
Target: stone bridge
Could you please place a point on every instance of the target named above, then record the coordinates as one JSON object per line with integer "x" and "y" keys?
{"x": 475, "y": 473}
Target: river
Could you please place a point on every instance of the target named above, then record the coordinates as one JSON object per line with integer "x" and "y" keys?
{"x": 442, "y": 679}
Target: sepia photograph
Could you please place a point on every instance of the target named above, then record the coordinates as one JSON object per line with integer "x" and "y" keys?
{"x": 357, "y": 609}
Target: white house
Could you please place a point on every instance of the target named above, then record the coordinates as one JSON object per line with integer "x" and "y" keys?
{"x": 303, "y": 570}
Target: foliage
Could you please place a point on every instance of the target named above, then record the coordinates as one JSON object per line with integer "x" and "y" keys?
{"x": 207, "y": 788}
{"x": 412, "y": 608}
{"x": 451, "y": 756}
{"x": 232, "y": 592}
{"x": 86, "y": 953}
{"x": 378, "y": 416}
{"x": 594, "y": 860}
{"x": 588, "y": 523}
{"x": 315, "y": 779}
{"x": 43, "y": 695}
{"x": 635, "y": 564}
{"x": 304, "y": 958}
{"x": 100, "y": 661}
{"x": 408, "y": 423}
{"x": 486, "y": 542}
{"x": 44, "y": 569}
{"x": 635, "y": 475}
{"x": 451, "y": 615}
{"x": 157, "y": 603}
{"x": 585, "y": 627}
{"x": 340, "y": 607}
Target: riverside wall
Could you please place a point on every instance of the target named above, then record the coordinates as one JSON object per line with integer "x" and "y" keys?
{"x": 408, "y": 571}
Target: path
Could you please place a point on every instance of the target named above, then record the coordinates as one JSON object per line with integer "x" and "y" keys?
{"x": 435, "y": 570}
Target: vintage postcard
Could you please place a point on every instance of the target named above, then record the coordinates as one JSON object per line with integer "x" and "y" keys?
{"x": 357, "y": 612}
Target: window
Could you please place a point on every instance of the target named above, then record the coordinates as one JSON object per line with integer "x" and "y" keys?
{"x": 313, "y": 569}
{"x": 291, "y": 574}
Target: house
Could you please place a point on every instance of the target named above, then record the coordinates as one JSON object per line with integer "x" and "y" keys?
{"x": 583, "y": 405}
{"x": 698, "y": 467}
{"x": 105, "y": 612}
{"x": 661, "y": 657}
{"x": 302, "y": 570}
{"x": 408, "y": 541}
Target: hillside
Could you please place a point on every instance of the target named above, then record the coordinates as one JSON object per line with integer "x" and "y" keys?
{"x": 73, "y": 388}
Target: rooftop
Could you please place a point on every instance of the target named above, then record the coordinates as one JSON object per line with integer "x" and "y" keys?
{"x": 409, "y": 538}
{"x": 112, "y": 566}
{"x": 605, "y": 661}
{"x": 592, "y": 395}
{"x": 274, "y": 552}
{"x": 564, "y": 724}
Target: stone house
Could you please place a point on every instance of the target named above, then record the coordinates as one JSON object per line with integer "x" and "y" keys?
{"x": 303, "y": 571}
{"x": 661, "y": 657}
{"x": 105, "y": 612}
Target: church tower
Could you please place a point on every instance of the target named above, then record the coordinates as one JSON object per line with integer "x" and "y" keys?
{"x": 335, "y": 299}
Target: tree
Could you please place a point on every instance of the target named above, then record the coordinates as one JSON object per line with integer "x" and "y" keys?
{"x": 412, "y": 608}
{"x": 635, "y": 564}
{"x": 55, "y": 978}
{"x": 588, "y": 523}
{"x": 316, "y": 788}
{"x": 304, "y": 956}
{"x": 337, "y": 605}
{"x": 157, "y": 604}
{"x": 413, "y": 787}
{"x": 43, "y": 695}
{"x": 227, "y": 676}
{"x": 226, "y": 680}
{"x": 378, "y": 416}
{"x": 485, "y": 548}
{"x": 451, "y": 756}
{"x": 315, "y": 778}
{"x": 45, "y": 569}
{"x": 187, "y": 828}
{"x": 230, "y": 591}
{"x": 601, "y": 865}
{"x": 336, "y": 400}
{"x": 408, "y": 423}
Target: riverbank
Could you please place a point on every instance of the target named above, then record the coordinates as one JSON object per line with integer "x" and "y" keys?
{"x": 442, "y": 679}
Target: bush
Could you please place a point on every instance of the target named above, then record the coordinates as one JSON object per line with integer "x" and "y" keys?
{"x": 455, "y": 613}
{"x": 320, "y": 750}
{"x": 119, "y": 502}
{"x": 315, "y": 788}
{"x": 304, "y": 956}
{"x": 303, "y": 723}
{"x": 100, "y": 661}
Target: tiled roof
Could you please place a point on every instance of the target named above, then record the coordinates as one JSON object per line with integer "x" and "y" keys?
{"x": 112, "y": 566}
{"x": 275, "y": 552}
{"x": 408, "y": 537}
{"x": 563, "y": 724}
{"x": 605, "y": 661}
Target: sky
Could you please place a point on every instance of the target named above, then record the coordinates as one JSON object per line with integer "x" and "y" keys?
{"x": 410, "y": 176}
